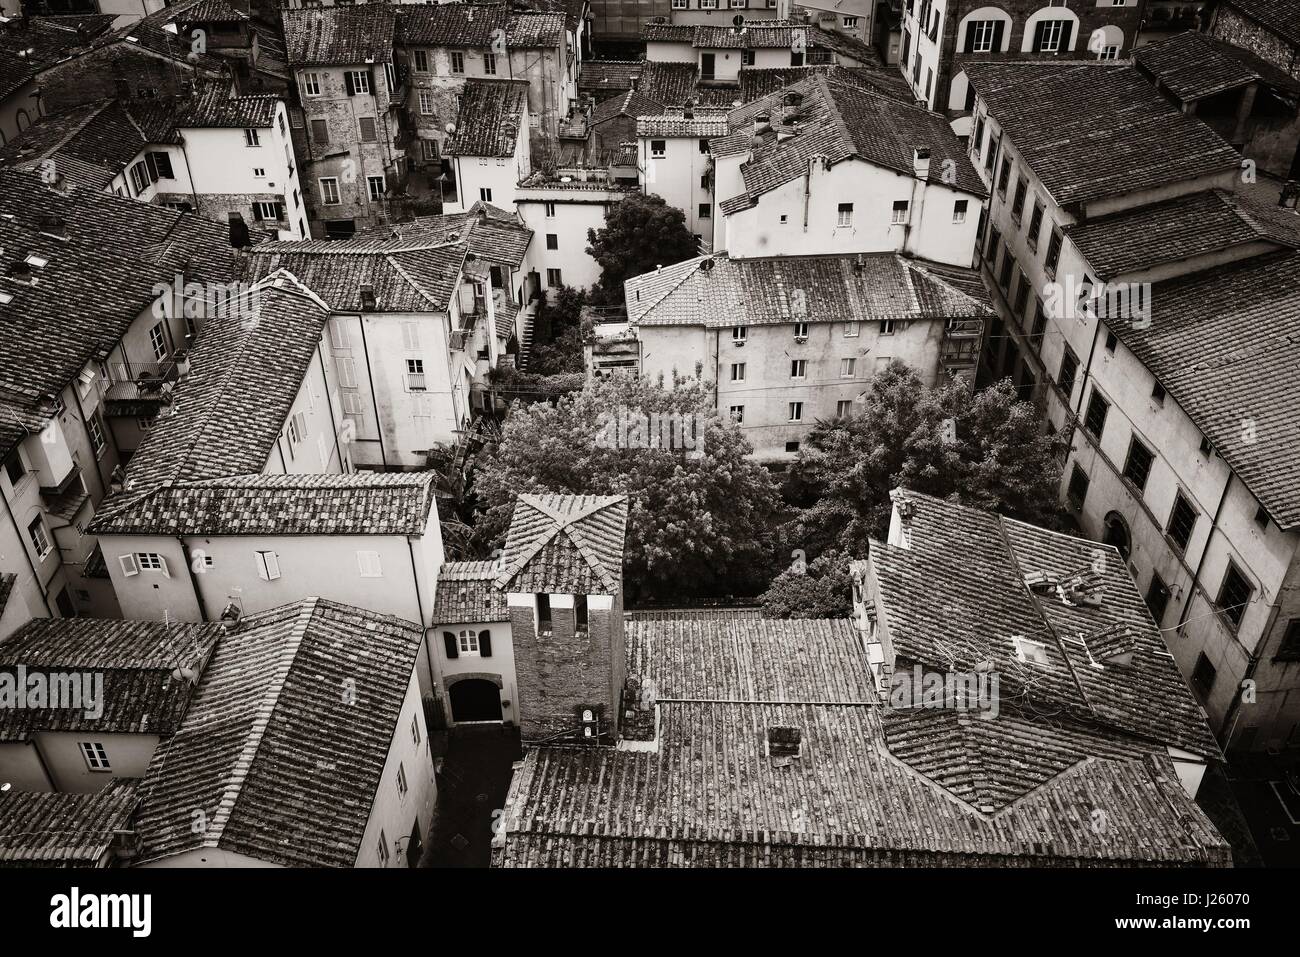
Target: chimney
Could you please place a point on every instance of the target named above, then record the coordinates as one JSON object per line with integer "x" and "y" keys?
{"x": 368, "y": 300}
{"x": 631, "y": 81}
{"x": 182, "y": 358}
{"x": 921, "y": 162}
{"x": 900, "y": 522}
{"x": 239, "y": 238}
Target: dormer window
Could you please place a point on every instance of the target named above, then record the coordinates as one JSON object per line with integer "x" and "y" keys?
{"x": 580, "y": 619}
{"x": 784, "y": 742}
{"x": 544, "y": 626}
{"x": 1030, "y": 652}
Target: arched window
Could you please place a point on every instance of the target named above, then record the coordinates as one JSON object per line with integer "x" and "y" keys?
{"x": 1116, "y": 533}
{"x": 22, "y": 119}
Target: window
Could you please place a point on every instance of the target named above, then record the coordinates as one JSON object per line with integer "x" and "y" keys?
{"x": 1289, "y": 650}
{"x": 796, "y": 411}
{"x": 311, "y": 84}
{"x": 552, "y": 241}
{"x": 1004, "y": 175}
{"x": 1111, "y": 342}
{"x": 1069, "y": 368}
{"x": 1182, "y": 519}
{"x": 679, "y": 4}
{"x": 158, "y": 342}
{"x": 140, "y": 177}
{"x": 1030, "y": 652}
{"x": 746, "y": 57}
{"x": 543, "y": 614}
{"x": 1206, "y": 447}
{"x": 959, "y": 211}
{"x": 421, "y": 61}
{"x": 382, "y": 849}
{"x": 376, "y": 187}
{"x": 96, "y": 429}
{"x": 1234, "y": 595}
{"x": 886, "y": 327}
{"x": 369, "y": 565}
{"x": 1203, "y": 675}
{"x": 851, "y": 328}
{"x": 356, "y": 81}
{"x": 739, "y": 333}
{"x": 426, "y": 103}
{"x": 415, "y": 375}
{"x": 457, "y": 62}
{"x": 705, "y": 211}
{"x": 847, "y": 367}
{"x": 96, "y": 755}
{"x": 844, "y": 408}
{"x": 850, "y": 22}
{"x": 1158, "y": 393}
{"x": 485, "y": 194}
{"x": 553, "y": 279}
{"x": 259, "y": 172}
{"x": 329, "y": 191}
{"x": 160, "y": 166}
{"x": 401, "y": 779}
{"x": 267, "y": 211}
{"x": 320, "y": 132}
{"x": 658, "y": 148}
{"x": 1053, "y": 252}
{"x": 801, "y": 330}
{"x": 415, "y": 729}
{"x": 489, "y": 64}
{"x": 1077, "y": 491}
{"x": 268, "y": 565}
{"x": 1004, "y": 277}
{"x": 367, "y": 125}
{"x": 549, "y": 208}
{"x": 1157, "y": 597}
{"x": 1094, "y": 421}
{"x": 1052, "y": 36}
{"x": 1022, "y": 295}
{"x": 15, "y": 468}
{"x": 1261, "y": 518}
{"x": 792, "y": 446}
{"x": 737, "y": 413}
{"x": 429, "y": 150}
{"x": 1018, "y": 203}
{"x": 40, "y": 540}
{"x": 845, "y": 214}
{"x": 1138, "y": 465}
{"x": 738, "y": 372}
{"x": 251, "y": 138}
{"x": 798, "y": 368}
{"x": 981, "y": 36}
{"x": 1035, "y": 224}
{"x": 900, "y": 212}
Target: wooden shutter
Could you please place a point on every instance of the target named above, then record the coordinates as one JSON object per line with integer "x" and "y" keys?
{"x": 970, "y": 37}
{"x": 164, "y": 164}
{"x": 1038, "y": 35}
{"x": 449, "y": 640}
{"x": 128, "y": 564}
{"x": 998, "y": 27}
{"x": 485, "y": 644}
{"x": 1067, "y": 30}
{"x": 350, "y": 86}
{"x": 162, "y": 565}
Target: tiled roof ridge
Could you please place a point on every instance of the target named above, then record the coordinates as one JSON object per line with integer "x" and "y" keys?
{"x": 297, "y": 287}
{"x": 685, "y": 275}
{"x": 567, "y": 523}
{"x": 76, "y": 130}
{"x": 411, "y": 280}
{"x": 261, "y": 721}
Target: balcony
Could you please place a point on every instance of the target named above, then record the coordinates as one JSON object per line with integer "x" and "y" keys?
{"x": 140, "y": 388}
{"x": 961, "y": 343}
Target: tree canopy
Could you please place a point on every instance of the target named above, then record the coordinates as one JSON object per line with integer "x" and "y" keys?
{"x": 698, "y": 523}
{"x": 821, "y": 588}
{"x": 640, "y": 233}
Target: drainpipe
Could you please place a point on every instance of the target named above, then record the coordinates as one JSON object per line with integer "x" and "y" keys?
{"x": 45, "y": 598}
{"x": 1087, "y": 371}
{"x": 374, "y": 399}
{"x": 194, "y": 583}
{"x": 1196, "y": 574}
{"x": 419, "y": 605}
{"x": 189, "y": 171}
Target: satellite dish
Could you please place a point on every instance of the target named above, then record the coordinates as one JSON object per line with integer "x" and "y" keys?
{"x": 738, "y": 21}
{"x": 707, "y": 264}
{"x": 450, "y": 128}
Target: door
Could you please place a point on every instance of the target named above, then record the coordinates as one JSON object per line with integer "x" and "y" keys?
{"x": 475, "y": 699}
{"x": 706, "y": 66}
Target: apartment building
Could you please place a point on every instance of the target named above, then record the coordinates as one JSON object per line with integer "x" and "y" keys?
{"x": 941, "y": 36}
{"x": 489, "y": 148}
{"x": 350, "y": 147}
{"x": 828, "y": 166}
{"x": 674, "y": 162}
{"x": 1167, "y": 448}
{"x": 719, "y": 52}
{"x": 791, "y": 340}
{"x": 93, "y": 308}
{"x": 853, "y": 18}
{"x": 27, "y": 46}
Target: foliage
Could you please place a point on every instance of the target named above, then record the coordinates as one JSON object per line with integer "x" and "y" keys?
{"x": 697, "y": 524}
{"x": 562, "y": 352}
{"x": 985, "y": 449}
{"x": 640, "y": 233}
{"x": 821, "y": 588}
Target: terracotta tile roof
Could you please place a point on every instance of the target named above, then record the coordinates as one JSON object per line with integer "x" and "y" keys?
{"x": 216, "y": 107}
{"x": 667, "y": 33}
{"x": 841, "y": 120}
{"x": 1182, "y": 228}
{"x": 284, "y": 766}
{"x": 51, "y": 38}
{"x": 607, "y": 78}
{"x": 94, "y": 285}
{"x": 702, "y": 125}
{"x": 532, "y": 30}
{"x": 957, "y": 597}
{"x": 1225, "y": 343}
{"x": 760, "y": 35}
{"x": 1280, "y": 16}
{"x": 476, "y": 25}
{"x": 489, "y": 119}
{"x": 135, "y": 660}
{"x": 707, "y": 793}
{"x": 756, "y": 83}
{"x": 488, "y": 232}
{"x": 7, "y": 580}
{"x": 55, "y": 829}
{"x": 866, "y": 288}
{"x": 631, "y": 103}
{"x": 213, "y": 11}
{"x": 1194, "y": 65}
{"x": 359, "y": 503}
{"x": 672, "y": 84}
{"x": 150, "y": 33}
{"x": 344, "y": 36}
{"x": 573, "y": 10}
{"x": 467, "y": 592}
{"x": 1092, "y": 130}
{"x": 565, "y": 544}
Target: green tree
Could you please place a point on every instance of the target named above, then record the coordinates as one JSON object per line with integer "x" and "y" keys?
{"x": 640, "y": 233}
{"x": 986, "y": 449}
{"x": 565, "y": 331}
{"x": 818, "y": 589}
{"x": 698, "y": 524}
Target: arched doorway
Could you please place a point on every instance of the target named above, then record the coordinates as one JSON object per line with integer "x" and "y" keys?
{"x": 1116, "y": 533}
{"x": 475, "y": 699}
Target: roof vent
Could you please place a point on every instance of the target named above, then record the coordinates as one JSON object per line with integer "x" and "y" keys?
{"x": 784, "y": 743}
{"x": 35, "y": 261}
{"x": 921, "y": 162}
{"x": 20, "y": 272}
{"x": 53, "y": 226}
{"x": 368, "y": 300}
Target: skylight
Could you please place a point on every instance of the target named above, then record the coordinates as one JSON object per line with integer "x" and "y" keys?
{"x": 39, "y": 262}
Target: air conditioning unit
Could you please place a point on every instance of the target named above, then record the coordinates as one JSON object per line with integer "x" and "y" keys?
{"x": 737, "y": 342}
{"x": 801, "y": 339}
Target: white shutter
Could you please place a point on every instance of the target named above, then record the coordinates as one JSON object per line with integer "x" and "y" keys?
{"x": 268, "y": 566}
{"x": 128, "y": 564}
{"x": 347, "y": 374}
{"x": 411, "y": 336}
{"x": 369, "y": 564}
{"x": 339, "y": 335}
{"x": 162, "y": 566}
{"x": 323, "y": 449}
